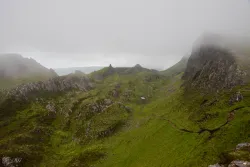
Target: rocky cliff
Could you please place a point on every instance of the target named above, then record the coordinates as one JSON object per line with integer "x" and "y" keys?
{"x": 213, "y": 68}
{"x": 54, "y": 85}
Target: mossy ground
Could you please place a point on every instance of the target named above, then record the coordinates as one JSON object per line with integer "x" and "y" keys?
{"x": 131, "y": 131}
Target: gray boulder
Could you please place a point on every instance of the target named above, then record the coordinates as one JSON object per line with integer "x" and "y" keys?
{"x": 11, "y": 162}
{"x": 238, "y": 163}
{"x": 51, "y": 107}
{"x": 243, "y": 146}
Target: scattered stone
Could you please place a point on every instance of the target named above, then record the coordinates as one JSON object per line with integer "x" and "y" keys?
{"x": 127, "y": 94}
{"x": 128, "y": 109}
{"x": 114, "y": 93}
{"x": 51, "y": 107}
{"x": 238, "y": 163}
{"x": 243, "y": 146}
{"x": 237, "y": 97}
{"x": 107, "y": 101}
{"x": 11, "y": 162}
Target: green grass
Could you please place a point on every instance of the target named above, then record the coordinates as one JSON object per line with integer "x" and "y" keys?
{"x": 157, "y": 143}
{"x": 129, "y": 132}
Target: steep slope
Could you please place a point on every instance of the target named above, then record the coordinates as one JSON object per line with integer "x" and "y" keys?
{"x": 14, "y": 69}
{"x": 189, "y": 124}
{"x": 176, "y": 69}
{"x": 213, "y": 68}
{"x": 70, "y": 116}
{"x": 134, "y": 116}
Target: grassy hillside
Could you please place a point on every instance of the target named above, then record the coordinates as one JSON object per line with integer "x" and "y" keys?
{"x": 16, "y": 70}
{"x": 176, "y": 69}
{"x": 132, "y": 117}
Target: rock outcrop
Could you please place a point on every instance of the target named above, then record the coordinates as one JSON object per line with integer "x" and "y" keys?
{"x": 54, "y": 85}
{"x": 243, "y": 146}
{"x": 239, "y": 164}
{"x": 11, "y": 162}
{"x": 213, "y": 68}
{"x": 240, "y": 157}
{"x": 237, "y": 97}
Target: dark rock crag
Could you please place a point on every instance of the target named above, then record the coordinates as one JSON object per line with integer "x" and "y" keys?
{"x": 240, "y": 157}
{"x": 54, "y": 85}
{"x": 213, "y": 68}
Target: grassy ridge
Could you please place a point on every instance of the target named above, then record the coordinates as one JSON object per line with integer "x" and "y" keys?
{"x": 112, "y": 126}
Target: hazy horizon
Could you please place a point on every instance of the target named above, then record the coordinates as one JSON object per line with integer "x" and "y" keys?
{"x": 155, "y": 34}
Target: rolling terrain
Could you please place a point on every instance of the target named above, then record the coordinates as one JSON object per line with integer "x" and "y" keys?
{"x": 193, "y": 114}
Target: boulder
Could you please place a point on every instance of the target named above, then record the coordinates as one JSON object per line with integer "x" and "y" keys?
{"x": 243, "y": 146}
{"x": 238, "y": 163}
{"x": 51, "y": 107}
{"x": 11, "y": 162}
{"x": 236, "y": 97}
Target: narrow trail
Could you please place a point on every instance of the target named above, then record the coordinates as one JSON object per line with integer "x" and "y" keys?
{"x": 230, "y": 117}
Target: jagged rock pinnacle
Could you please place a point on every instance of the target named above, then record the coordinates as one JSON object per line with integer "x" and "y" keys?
{"x": 213, "y": 68}
{"x": 138, "y": 66}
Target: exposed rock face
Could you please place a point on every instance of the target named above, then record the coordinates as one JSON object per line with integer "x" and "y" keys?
{"x": 11, "y": 162}
{"x": 58, "y": 84}
{"x": 100, "y": 105}
{"x": 239, "y": 164}
{"x": 213, "y": 68}
{"x": 243, "y": 146}
{"x": 51, "y": 107}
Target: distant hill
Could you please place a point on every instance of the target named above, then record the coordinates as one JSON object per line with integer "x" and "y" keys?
{"x": 108, "y": 71}
{"x": 176, "y": 69}
{"x": 15, "y": 69}
{"x": 86, "y": 70}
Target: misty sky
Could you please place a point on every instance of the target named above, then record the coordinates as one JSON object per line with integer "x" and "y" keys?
{"x": 153, "y": 33}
